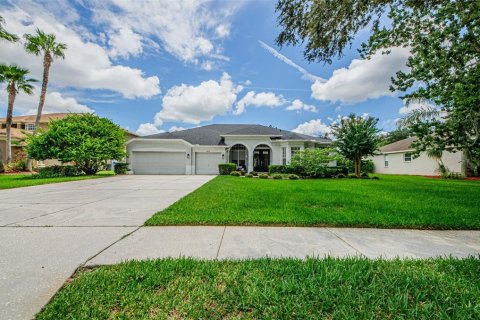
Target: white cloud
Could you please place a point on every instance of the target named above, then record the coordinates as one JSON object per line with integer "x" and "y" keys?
{"x": 175, "y": 128}
{"x": 314, "y": 127}
{"x": 187, "y": 29}
{"x": 146, "y": 129}
{"x": 298, "y": 105}
{"x": 193, "y": 104}
{"x": 414, "y": 106}
{"x": 363, "y": 79}
{"x": 124, "y": 43}
{"x": 281, "y": 57}
{"x": 86, "y": 65}
{"x": 262, "y": 99}
{"x": 54, "y": 102}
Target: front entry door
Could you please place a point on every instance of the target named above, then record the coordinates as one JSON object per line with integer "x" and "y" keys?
{"x": 261, "y": 160}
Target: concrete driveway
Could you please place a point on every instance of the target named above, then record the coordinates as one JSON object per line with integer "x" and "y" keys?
{"x": 48, "y": 231}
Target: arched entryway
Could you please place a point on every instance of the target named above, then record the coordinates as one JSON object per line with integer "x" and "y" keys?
{"x": 261, "y": 158}
{"x": 239, "y": 155}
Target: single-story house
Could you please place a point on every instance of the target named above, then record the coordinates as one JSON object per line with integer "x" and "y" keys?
{"x": 397, "y": 158}
{"x": 200, "y": 150}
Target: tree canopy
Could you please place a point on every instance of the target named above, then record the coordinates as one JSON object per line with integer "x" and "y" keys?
{"x": 87, "y": 140}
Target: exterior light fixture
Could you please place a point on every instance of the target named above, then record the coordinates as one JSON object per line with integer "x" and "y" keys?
{"x": 223, "y": 156}
{"x": 188, "y": 155}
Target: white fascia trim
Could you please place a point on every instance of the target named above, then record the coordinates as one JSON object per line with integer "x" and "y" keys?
{"x": 315, "y": 141}
{"x": 160, "y": 140}
{"x": 400, "y": 151}
{"x": 250, "y": 135}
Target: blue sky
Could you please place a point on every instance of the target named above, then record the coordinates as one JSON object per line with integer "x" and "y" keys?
{"x": 164, "y": 65}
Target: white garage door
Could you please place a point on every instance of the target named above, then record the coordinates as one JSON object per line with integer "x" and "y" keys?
{"x": 159, "y": 162}
{"x": 207, "y": 162}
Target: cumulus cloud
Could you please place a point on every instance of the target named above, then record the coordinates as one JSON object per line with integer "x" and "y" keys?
{"x": 54, "y": 102}
{"x": 87, "y": 65}
{"x": 363, "y": 79}
{"x": 298, "y": 105}
{"x": 124, "y": 43}
{"x": 193, "y": 104}
{"x": 146, "y": 129}
{"x": 314, "y": 127}
{"x": 406, "y": 109}
{"x": 188, "y": 29}
{"x": 261, "y": 99}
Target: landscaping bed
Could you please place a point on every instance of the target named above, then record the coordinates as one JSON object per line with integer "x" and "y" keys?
{"x": 390, "y": 202}
{"x": 329, "y": 288}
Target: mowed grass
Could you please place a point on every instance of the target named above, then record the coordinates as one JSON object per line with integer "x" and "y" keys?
{"x": 391, "y": 202}
{"x": 330, "y": 288}
{"x": 9, "y": 181}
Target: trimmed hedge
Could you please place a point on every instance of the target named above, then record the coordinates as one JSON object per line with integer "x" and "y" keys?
{"x": 286, "y": 169}
{"x": 226, "y": 168}
{"x": 121, "y": 168}
{"x": 236, "y": 173}
{"x": 59, "y": 171}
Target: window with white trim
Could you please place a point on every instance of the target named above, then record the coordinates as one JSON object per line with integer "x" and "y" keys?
{"x": 385, "y": 160}
{"x": 284, "y": 155}
{"x": 294, "y": 150}
{"x": 407, "y": 157}
{"x": 30, "y": 127}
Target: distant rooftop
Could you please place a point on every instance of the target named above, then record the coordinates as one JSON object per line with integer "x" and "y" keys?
{"x": 213, "y": 134}
{"x": 31, "y": 118}
{"x": 402, "y": 145}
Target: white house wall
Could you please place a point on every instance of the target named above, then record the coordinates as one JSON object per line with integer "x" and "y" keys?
{"x": 423, "y": 165}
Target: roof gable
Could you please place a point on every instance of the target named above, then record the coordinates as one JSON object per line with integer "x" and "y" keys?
{"x": 401, "y": 145}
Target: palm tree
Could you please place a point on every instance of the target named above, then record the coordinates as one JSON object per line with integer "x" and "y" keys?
{"x": 39, "y": 43}
{"x": 4, "y": 34}
{"x": 17, "y": 82}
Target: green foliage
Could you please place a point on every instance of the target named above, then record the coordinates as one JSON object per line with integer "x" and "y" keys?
{"x": 315, "y": 162}
{"x": 367, "y": 166}
{"x": 254, "y": 173}
{"x": 452, "y": 175}
{"x": 105, "y": 173}
{"x": 263, "y": 176}
{"x": 41, "y": 42}
{"x": 19, "y": 165}
{"x": 277, "y": 176}
{"x": 235, "y": 173}
{"x": 356, "y": 138}
{"x": 226, "y": 168}
{"x": 58, "y": 171}
{"x": 341, "y": 176}
{"x": 86, "y": 139}
{"x": 2, "y": 167}
{"x": 293, "y": 177}
{"x": 286, "y": 169}
{"x": 121, "y": 168}
{"x": 4, "y": 34}
{"x": 248, "y": 175}
{"x": 394, "y": 136}
{"x": 443, "y": 68}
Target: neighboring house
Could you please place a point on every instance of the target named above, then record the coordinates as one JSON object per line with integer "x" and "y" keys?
{"x": 22, "y": 125}
{"x": 200, "y": 150}
{"x": 396, "y": 158}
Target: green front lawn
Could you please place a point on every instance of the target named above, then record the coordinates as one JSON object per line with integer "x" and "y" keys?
{"x": 391, "y": 202}
{"x": 9, "y": 181}
{"x": 273, "y": 289}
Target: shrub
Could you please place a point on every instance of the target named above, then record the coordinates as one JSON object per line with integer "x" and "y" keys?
{"x": 452, "y": 175}
{"x": 226, "y": 168}
{"x": 366, "y": 166}
{"x": 121, "y": 168}
{"x": 293, "y": 177}
{"x": 341, "y": 176}
{"x": 248, "y": 175}
{"x": 2, "y": 167}
{"x": 263, "y": 176}
{"x": 254, "y": 173}
{"x": 375, "y": 178}
{"x": 277, "y": 176}
{"x": 19, "y": 165}
{"x": 352, "y": 176}
{"x": 315, "y": 162}
{"x": 59, "y": 171}
{"x": 364, "y": 175}
{"x": 235, "y": 173}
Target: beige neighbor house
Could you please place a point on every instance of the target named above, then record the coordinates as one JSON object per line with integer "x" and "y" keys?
{"x": 397, "y": 158}
{"x": 200, "y": 150}
{"x": 21, "y": 126}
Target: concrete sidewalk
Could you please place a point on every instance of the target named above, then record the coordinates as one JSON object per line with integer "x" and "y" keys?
{"x": 255, "y": 242}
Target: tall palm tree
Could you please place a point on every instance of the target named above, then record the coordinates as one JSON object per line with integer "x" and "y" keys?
{"x": 46, "y": 44}
{"x": 17, "y": 81}
{"x": 4, "y": 34}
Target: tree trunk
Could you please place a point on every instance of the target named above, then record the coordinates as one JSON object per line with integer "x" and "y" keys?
{"x": 47, "y": 61}
{"x": 358, "y": 167}
{"x": 11, "y": 100}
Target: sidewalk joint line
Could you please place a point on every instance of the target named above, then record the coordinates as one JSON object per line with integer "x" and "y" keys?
{"x": 344, "y": 241}
{"x": 221, "y": 241}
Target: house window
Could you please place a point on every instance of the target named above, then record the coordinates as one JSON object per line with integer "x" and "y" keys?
{"x": 30, "y": 127}
{"x": 284, "y": 155}
{"x": 385, "y": 160}
{"x": 294, "y": 150}
{"x": 407, "y": 157}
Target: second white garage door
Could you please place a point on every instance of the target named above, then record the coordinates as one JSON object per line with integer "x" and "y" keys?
{"x": 207, "y": 162}
{"x": 159, "y": 162}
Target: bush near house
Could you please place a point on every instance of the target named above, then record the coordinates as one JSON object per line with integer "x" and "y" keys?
{"x": 366, "y": 166}
{"x": 58, "y": 171}
{"x": 87, "y": 140}
{"x": 226, "y": 168}
{"x": 121, "y": 168}
{"x": 286, "y": 169}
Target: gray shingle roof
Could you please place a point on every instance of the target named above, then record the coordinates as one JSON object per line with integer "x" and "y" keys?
{"x": 213, "y": 134}
{"x": 401, "y": 145}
